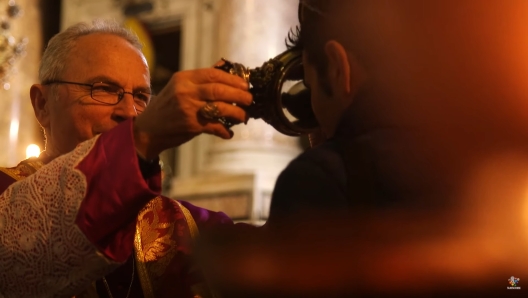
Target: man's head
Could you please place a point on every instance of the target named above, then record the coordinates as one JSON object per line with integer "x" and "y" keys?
{"x": 348, "y": 47}
{"x": 333, "y": 72}
{"x": 82, "y": 55}
{"x": 422, "y": 63}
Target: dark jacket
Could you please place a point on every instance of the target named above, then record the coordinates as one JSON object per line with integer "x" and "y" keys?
{"x": 372, "y": 163}
{"x": 315, "y": 180}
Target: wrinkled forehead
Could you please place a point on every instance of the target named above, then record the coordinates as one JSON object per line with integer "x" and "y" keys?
{"x": 101, "y": 53}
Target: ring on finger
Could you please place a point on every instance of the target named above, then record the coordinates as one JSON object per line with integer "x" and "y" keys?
{"x": 209, "y": 111}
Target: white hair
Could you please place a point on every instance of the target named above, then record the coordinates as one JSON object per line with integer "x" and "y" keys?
{"x": 52, "y": 64}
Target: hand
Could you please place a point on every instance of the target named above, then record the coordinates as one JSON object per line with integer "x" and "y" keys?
{"x": 172, "y": 117}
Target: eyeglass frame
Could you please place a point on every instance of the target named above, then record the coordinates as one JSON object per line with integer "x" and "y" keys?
{"x": 120, "y": 95}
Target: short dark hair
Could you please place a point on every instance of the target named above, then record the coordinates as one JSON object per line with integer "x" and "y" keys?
{"x": 310, "y": 35}
{"x": 317, "y": 26}
{"x": 346, "y": 21}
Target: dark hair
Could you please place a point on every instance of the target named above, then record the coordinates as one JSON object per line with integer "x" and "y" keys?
{"x": 312, "y": 34}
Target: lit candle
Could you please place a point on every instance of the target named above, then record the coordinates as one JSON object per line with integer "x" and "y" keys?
{"x": 32, "y": 151}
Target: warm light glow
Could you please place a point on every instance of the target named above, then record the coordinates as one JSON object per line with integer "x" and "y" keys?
{"x": 32, "y": 151}
{"x": 13, "y": 130}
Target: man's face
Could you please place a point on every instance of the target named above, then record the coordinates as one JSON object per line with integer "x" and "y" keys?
{"x": 73, "y": 115}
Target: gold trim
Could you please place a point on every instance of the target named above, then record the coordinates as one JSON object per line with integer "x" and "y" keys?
{"x": 36, "y": 165}
{"x": 193, "y": 228}
{"x": 14, "y": 172}
{"x": 144, "y": 278}
{"x": 201, "y": 290}
{"x": 143, "y": 257}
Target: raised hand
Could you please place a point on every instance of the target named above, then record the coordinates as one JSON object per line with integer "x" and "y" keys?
{"x": 173, "y": 117}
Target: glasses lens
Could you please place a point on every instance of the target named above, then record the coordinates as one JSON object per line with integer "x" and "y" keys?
{"x": 106, "y": 93}
{"x": 141, "y": 101}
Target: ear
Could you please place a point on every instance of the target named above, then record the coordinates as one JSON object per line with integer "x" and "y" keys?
{"x": 40, "y": 103}
{"x": 338, "y": 71}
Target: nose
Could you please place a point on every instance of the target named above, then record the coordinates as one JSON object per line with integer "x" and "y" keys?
{"x": 125, "y": 109}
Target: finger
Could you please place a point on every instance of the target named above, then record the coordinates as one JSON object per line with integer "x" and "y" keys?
{"x": 213, "y": 75}
{"x": 233, "y": 113}
{"x": 219, "y": 63}
{"x": 218, "y": 129}
{"x": 220, "y": 92}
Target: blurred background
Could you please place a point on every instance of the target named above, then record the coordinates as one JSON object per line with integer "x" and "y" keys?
{"x": 236, "y": 177}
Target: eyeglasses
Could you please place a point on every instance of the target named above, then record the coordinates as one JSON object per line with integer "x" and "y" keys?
{"x": 111, "y": 94}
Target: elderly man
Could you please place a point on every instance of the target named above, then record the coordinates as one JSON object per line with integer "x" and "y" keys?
{"x": 91, "y": 202}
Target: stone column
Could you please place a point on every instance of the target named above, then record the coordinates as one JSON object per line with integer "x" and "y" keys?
{"x": 251, "y": 32}
{"x": 239, "y": 174}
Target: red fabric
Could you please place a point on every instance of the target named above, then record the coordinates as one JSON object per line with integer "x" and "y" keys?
{"x": 5, "y": 181}
{"x": 175, "y": 279}
{"x": 180, "y": 275}
{"x": 117, "y": 191}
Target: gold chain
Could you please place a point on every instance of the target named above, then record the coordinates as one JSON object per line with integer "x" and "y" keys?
{"x": 131, "y": 281}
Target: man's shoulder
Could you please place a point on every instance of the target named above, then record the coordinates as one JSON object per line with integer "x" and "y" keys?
{"x": 10, "y": 175}
{"x": 23, "y": 170}
{"x": 317, "y": 172}
{"x": 326, "y": 157}
{"x": 315, "y": 180}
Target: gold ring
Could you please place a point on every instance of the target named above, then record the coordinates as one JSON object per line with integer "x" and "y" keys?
{"x": 209, "y": 111}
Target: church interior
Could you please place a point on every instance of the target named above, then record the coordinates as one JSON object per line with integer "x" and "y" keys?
{"x": 472, "y": 248}
{"x": 236, "y": 177}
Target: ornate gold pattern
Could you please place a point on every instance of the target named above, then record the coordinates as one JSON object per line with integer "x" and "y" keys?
{"x": 23, "y": 169}
{"x": 209, "y": 111}
{"x": 146, "y": 285}
{"x": 153, "y": 244}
